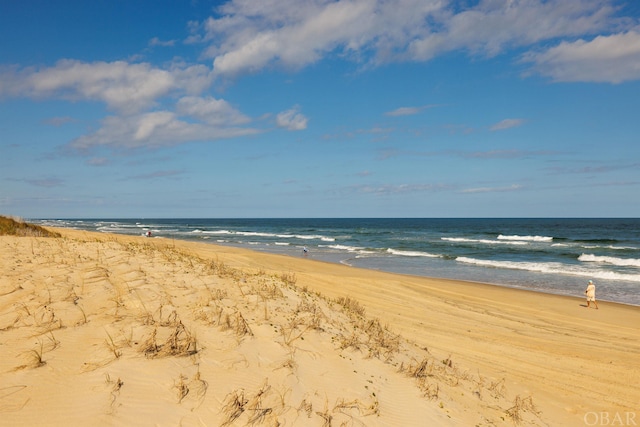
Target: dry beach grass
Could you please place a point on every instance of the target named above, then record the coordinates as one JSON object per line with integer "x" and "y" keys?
{"x": 17, "y": 227}
{"x": 100, "y": 329}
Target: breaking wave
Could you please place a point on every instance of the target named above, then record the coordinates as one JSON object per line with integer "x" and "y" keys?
{"x": 526, "y": 238}
{"x": 552, "y": 268}
{"x": 411, "y": 253}
{"x": 620, "y": 262}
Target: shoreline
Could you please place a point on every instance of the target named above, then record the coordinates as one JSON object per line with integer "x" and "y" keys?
{"x": 345, "y": 264}
{"x": 524, "y": 257}
{"x": 491, "y": 348}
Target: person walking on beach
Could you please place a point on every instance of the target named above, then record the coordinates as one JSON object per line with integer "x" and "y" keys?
{"x": 591, "y": 294}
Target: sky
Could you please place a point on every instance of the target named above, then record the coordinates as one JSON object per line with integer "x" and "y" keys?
{"x": 316, "y": 108}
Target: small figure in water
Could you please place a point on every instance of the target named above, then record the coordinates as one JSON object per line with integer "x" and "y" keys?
{"x": 149, "y": 233}
{"x": 305, "y": 251}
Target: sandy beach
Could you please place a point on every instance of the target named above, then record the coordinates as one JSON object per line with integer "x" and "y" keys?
{"x": 100, "y": 329}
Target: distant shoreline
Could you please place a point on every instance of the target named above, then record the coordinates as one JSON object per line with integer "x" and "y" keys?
{"x": 328, "y": 259}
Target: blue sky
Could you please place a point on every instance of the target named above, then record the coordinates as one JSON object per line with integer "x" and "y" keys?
{"x": 291, "y": 108}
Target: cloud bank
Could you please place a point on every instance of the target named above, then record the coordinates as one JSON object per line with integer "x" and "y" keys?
{"x": 153, "y": 106}
{"x": 607, "y": 59}
{"x": 246, "y": 37}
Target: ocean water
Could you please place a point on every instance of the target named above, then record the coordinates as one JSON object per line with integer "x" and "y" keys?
{"x": 547, "y": 255}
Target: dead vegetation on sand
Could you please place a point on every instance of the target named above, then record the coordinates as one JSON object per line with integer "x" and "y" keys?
{"x": 10, "y": 226}
{"x": 238, "y": 342}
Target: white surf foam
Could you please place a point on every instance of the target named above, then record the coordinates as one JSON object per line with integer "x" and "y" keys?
{"x": 552, "y": 268}
{"x": 621, "y": 262}
{"x": 412, "y": 253}
{"x": 526, "y": 238}
{"x": 484, "y": 241}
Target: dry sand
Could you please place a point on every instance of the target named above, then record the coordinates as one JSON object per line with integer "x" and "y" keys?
{"x": 101, "y": 330}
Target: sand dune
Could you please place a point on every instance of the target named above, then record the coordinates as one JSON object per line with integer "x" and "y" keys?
{"x": 100, "y": 329}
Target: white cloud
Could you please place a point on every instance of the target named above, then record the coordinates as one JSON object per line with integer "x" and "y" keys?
{"x": 132, "y": 90}
{"x": 507, "y": 124}
{"x": 248, "y": 36}
{"x": 49, "y": 182}
{"x": 213, "y": 111}
{"x": 612, "y": 59}
{"x": 495, "y": 25}
{"x": 514, "y": 187}
{"x": 390, "y": 189}
{"x": 158, "y": 174}
{"x": 120, "y": 85}
{"x": 153, "y": 130}
{"x": 98, "y": 161}
{"x": 253, "y": 38}
{"x": 192, "y": 79}
{"x": 292, "y": 119}
{"x": 504, "y": 154}
{"x": 59, "y": 121}
{"x": 124, "y": 87}
{"x": 407, "y": 111}
{"x": 163, "y": 43}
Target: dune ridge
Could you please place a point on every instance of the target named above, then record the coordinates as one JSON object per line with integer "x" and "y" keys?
{"x": 119, "y": 330}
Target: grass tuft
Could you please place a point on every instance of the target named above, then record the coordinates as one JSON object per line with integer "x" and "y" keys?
{"x": 351, "y": 306}
{"x": 180, "y": 342}
{"x": 182, "y": 388}
{"x": 521, "y": 405}
{"x": 233, "y": 406}
{"x": 289, "y": 278}
{"x": 36, "y": 356}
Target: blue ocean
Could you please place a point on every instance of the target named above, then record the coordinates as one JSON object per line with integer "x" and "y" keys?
{"x": 548, "y": 255}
